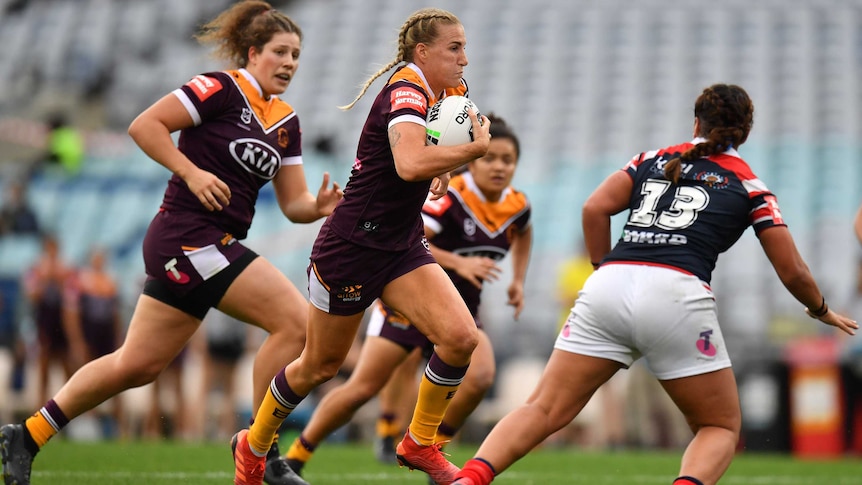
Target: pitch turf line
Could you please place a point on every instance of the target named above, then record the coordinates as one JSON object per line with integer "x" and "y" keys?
{"x": 509, "y": 477}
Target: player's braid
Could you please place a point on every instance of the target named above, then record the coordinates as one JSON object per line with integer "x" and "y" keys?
{"x": 726, "y": 114}
{"x": 406, "y": 44}
{"x": 368, "y": 84}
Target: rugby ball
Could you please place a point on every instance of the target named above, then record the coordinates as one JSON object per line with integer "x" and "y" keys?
{"x": 447, "y": 122}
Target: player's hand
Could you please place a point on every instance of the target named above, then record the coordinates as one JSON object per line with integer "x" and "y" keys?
{"x": 209, "y": 189}
{"x": 327, "y": 198}
{"x": 481, "y": 133}
{"x": 477, "y": 269}
{"x": 846, "y": 324}
{"x": 516, "y": 297}
{"x": 439, "y": 186}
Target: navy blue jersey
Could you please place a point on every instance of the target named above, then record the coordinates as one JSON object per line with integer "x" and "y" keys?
{"x": 381, "y": 210}
{"x": 688, "y": 224}
{"x": 466, "y": 223}
{"x": 240, "y": 137}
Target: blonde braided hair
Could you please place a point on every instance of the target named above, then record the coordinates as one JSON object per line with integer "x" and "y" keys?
{"x": 419, "y": 28}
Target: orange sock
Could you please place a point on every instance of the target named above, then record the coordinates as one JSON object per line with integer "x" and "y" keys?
{"x": 46, "y": 422}
{"x": 277, "y": 404}
{"x": 40, "y": 429}
{"x": 387, "y": 426}
{"x": 436, "y": 390}
{"x": 300, "y": 450}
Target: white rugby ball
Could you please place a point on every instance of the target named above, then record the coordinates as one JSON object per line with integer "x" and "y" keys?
{"x": 447, "y": 122}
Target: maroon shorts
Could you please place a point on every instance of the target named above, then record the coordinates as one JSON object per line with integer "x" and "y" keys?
{"x": 389, "y": 324}
{"x": 345, "y": 278}
{"x": 190, "y": 263}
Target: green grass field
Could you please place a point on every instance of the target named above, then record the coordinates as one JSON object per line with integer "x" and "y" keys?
{"x": 67, "y": 463}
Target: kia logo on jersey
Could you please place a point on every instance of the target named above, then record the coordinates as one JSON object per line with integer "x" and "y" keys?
{"x": 255, "y": 156}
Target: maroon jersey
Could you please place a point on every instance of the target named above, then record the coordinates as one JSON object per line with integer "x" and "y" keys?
{"x": 380, "y": 210}
{"x": 466, "y": 223}
{"x": 238, "y": 136}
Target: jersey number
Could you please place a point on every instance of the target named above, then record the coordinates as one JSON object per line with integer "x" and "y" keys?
{"x": 687, "y": 202}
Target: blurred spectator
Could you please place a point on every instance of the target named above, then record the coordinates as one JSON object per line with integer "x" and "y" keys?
{"x": 169, "y": 419}
{"x": 97, "y": 309}
{"x": 570, "y": 279}
{"x": 601, "y": 423}
{"x": 65, "y": 144}
{"x": 60, "y": 340}
{"x": 652, "y": 418}
{"x": 224, "y": 344}
{"x": 16, "y": 215}
{"x": 12, "y": 350}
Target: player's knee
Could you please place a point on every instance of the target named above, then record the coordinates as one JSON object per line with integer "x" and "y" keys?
{"x": 142, "y": 373}
{"x": 460, "y": 341}
{"x": 361, "y": 394}
{"x": 731, "y": 425}
{"x": 482, "y": 379}
{"x": 324, "y": 372}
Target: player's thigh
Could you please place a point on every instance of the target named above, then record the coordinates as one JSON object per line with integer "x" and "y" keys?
{"x": 709, "y": 399}
{"x": 567, "y": 384}
{"x": 263, "y": 296}
{"x": 427, "y": 297}
{"x": 156, "y": 334}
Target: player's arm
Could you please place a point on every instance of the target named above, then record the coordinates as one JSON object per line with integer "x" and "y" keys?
{"x": 152, "y": 129}
{"x": 474, "y": 269}
{"x": 414, "y": 160}
{"x": 522, "y": 243}
{"x": 609, "y": 198}
{"x": 779, "y": 247}
{"x": 296, "y": 202}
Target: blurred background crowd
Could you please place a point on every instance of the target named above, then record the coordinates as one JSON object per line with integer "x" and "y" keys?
{"x": 585, "y": 84}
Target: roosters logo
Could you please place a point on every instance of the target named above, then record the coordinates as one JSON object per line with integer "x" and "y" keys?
{"x": 256, "y": 157}
{"x": 713, "y": 180}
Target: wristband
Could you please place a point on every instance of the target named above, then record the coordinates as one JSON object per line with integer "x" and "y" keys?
{"x": 822, "y": 311}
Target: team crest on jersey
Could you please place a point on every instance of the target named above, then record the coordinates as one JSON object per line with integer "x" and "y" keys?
{"x": 245, "y": 116}
{"x": 255, "y": 156}
{"x": 283, "y": 137}
{"x": 712, "y": 180}
{"x": 469, "y": 227}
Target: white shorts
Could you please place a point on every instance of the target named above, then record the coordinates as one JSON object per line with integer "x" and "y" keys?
{"x": 628, "y": 311}
{"x": 375, "y": 321}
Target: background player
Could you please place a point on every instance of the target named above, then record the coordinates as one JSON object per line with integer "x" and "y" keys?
{"x": 235, "y": 136}
{"x": 650, "y": 296}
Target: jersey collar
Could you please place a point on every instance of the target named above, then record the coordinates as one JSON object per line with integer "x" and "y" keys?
{"x": 730, "y": 151}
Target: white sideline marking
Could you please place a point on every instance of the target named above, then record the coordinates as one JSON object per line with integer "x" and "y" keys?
{"x": 521, "y": 478}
